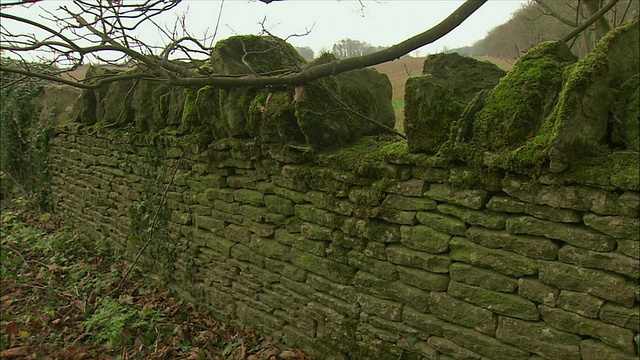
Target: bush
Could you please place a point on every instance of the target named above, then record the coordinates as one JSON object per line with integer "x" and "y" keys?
{"x": 24, "y": 139}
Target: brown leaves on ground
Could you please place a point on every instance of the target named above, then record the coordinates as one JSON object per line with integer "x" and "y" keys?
{"x": 49, "y": 293}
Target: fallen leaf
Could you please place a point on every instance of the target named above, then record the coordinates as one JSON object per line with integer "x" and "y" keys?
{"x": 288, "y": 355}
{"x": 15, "y": 352}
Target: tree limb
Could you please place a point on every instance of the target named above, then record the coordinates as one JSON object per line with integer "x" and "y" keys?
{"x": 595, "y": 17}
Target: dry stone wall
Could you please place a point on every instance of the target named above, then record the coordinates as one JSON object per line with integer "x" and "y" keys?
{"x": 400, "y": 264}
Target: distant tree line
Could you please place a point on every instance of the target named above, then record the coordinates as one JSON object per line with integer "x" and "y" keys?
{"x": 543, "y": 20}
{"x": 345, "y": 48}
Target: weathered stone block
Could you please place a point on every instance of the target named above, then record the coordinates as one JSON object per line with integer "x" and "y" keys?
{"x": 180, "y": 218}
{"x": 595, "y": 350}
{"x": 537, "y": 291}
{"x": 580, "y": 303}
{"x": 332, "y": 270}
{"x": 572, "y": 234}
{"x": 474, "y": 199}
{"x": 340, "y": 306}
{"x": 413, "y": 187}
{"x": 463, "y": 313}
{"x": 376, "y": 250}
{"x": 616, "y": 226}
{"x": 279, "y": 205}
{"x": 581, "y": 198}
{"x": 530, "y": 246}
{"x": 488, "y": 219}
{"x": 315, "y": 231}
{"x": 315, "y": 215}
{"x": 385, "y": 309}
{"x": 629, "y": 248}
{"x": 483, "y": 344}
{"x": 574, "y": 323}
{"x": 430, "y": 174}
{"x": 245, "y": 253}
{"x": 396, "y": 216}
{"x": 229, "y": 208}
{"x": 443, "y": 223}
{"x": 329, "y": 202}
{"x": 425, "y": 280}
{"x": 501, "y": 303}
{"x": 424, "y": 238}
{"x": 236, "y": 233}
{"x": 271, "y": 248}
{"x": 425, "y": 322}
{"x": 260, "y": 229}
{"x": 408, "y": 203}
{"x": 401, "y": 255}
{"x": 538, "y": 338}
{"x": 615, "y": 262}
{"x": 503, "y": 261}
{"x": 345, "y": 292}
{"x": 248, "y": 196}
{"x": 595, "y": 282}
{"x": 396, "y": 290}
{"x": 380, "y": 231}
{"x": 484, "y": 278}
{"x": 259, "y": 320}
{"x": 450, "y": 348}
{"x": 621, "y": 316}
{"x": 285, "y": 269}
{"x": 383, "y": 269}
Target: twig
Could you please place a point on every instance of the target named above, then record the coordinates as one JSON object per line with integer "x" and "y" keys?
{"x": 153, "y": 228}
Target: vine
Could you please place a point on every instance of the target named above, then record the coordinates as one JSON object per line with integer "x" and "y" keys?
{"x": 24, "y": 139}
{"x": 150, "y": 216}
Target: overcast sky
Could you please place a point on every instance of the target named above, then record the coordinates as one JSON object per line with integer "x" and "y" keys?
{"x": 379, "y": 22}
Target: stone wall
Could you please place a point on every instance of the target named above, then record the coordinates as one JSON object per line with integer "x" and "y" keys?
{"x": 362, "y": 253}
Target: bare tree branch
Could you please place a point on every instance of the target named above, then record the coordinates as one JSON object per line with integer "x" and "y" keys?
{"x": 595, "y": 17}
{"x": 103, "y": 32}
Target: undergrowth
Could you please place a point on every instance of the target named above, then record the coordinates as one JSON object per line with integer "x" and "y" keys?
{"x": 59, "y": 300}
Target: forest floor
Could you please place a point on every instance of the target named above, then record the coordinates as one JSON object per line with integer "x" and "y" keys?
{"x": 63, "y": 296}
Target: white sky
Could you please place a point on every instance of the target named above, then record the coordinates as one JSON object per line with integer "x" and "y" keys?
{"x": 380, "y": 22}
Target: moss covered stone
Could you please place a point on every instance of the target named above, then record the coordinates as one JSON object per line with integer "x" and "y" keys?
{"x": 625, "y": 130}
{"x": 437, "y": 99}
{"x": 252, "y": 54}
{"x": 517, "y": 106}
{"x": 338, "y": 110}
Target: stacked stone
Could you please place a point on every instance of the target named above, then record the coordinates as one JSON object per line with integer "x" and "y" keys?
{"x": 351, "y": 267}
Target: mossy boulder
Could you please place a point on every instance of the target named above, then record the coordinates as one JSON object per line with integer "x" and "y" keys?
{"x": 88, "y": 109}
{"x": 518, "y": 105}
{"x": 586, "y": 109}
{"x": 436, "y": 99}
{"x": 252, "y": 54}
{"x": 236, "y": 108}
{"x": 58, "y": 101}
{"x": 625, "y": 130}
{"x": 340, "y": 109}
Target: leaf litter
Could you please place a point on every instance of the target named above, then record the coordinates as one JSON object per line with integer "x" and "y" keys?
{"x": 57, "y": 303}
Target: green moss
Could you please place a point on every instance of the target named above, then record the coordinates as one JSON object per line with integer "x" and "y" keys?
{"x": 517, "y": 107}
{"x": 246, "y": 54}
{"x": 272, "y": 116}
{"x": 618, "y": 170}
{"x": 190, "y": 110}
{"x": 430, "y": 109}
